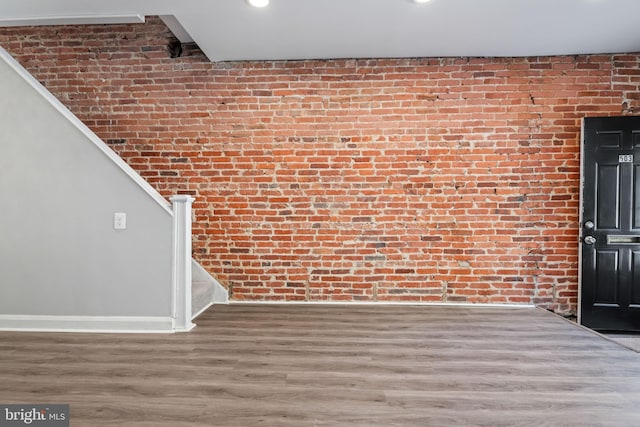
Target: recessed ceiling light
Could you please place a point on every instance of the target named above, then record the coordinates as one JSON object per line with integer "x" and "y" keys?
{"x": 258, "y": 3}
{"x": 421, "y": 1}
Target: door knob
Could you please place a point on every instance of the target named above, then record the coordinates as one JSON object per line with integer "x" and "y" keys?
{"x": 589, "y": 225}
{"x": 589, "y": 240}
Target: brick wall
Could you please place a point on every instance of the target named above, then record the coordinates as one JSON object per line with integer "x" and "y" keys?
{"x": 439, "y": 179}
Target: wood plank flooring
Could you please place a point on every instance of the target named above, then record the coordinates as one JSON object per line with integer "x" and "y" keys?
{"x": 339, "y": 365}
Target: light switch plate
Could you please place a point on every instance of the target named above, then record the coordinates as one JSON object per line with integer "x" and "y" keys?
{"x": 120, "y": 221}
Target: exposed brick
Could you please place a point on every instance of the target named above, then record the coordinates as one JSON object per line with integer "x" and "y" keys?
{"x": 434, "y": 179}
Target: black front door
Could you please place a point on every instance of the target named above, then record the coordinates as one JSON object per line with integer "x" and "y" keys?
{"x": 610, "y": 224}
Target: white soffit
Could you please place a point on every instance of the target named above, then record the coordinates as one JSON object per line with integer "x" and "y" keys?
{"x": 72, "y": 20}
{"x": 308, "y": 29}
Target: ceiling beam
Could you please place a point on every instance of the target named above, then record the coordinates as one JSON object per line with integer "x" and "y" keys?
{"x": 72, "y": 20}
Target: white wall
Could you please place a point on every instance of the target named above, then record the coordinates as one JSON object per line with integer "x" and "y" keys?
{"x": 59, "y": 188}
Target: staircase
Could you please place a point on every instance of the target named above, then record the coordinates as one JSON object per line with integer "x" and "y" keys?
{"x": 66, "y": 263}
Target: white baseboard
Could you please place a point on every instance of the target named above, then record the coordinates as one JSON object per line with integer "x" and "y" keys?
{"x": 383, "y": 303}
{"x": 105, "y": 324}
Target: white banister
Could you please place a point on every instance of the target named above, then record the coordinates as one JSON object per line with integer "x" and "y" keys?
{"x": 181, "y": 260}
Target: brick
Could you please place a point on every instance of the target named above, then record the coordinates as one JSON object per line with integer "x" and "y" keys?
{"x": 424, "y": 179}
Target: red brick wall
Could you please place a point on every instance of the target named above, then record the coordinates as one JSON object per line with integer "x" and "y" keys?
{"x": 441, "y": 179}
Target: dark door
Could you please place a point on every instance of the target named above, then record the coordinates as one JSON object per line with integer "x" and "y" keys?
{"x": 610, "y": 224}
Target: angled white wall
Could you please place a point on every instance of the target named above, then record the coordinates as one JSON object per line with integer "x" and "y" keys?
{"x": 61, "y": 261}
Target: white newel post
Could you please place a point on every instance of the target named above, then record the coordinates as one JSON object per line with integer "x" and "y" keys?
{"x": 182, "y": 262}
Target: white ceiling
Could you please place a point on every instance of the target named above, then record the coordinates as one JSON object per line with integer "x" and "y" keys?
{"x": 302, "y": 29}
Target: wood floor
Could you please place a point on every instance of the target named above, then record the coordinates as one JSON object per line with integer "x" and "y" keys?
{"x": 293, "y": 365}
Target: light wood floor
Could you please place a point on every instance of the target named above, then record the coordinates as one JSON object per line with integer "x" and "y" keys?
{"x": 293, "y": 365}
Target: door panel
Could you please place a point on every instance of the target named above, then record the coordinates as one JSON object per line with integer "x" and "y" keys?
{"x": 610, "y": 224}
{"x": 636, "y": 196}
{"x": 608, "y": 274}
{"x": 608, "y": 214}
{"x": 609, "y": 140}
{"x": 635, "y": 288}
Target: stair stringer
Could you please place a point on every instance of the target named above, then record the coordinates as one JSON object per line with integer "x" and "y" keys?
{"x": 205, "y": 290}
